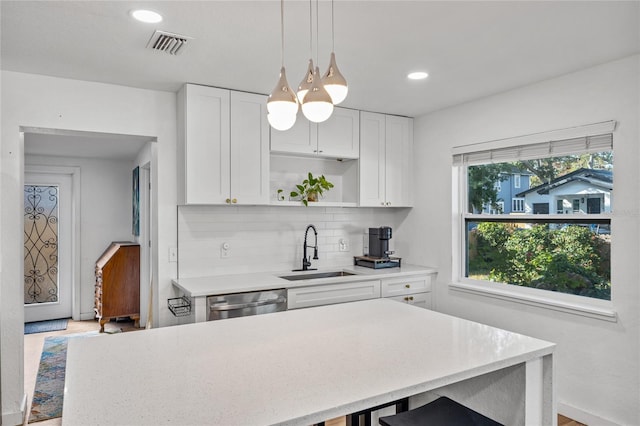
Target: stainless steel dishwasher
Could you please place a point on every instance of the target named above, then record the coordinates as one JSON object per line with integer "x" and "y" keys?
{"x": 245, "y": 304}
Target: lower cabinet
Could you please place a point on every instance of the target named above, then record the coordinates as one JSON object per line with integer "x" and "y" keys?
{"x": 306, "y": 297}
{"x": 414, "y": 290}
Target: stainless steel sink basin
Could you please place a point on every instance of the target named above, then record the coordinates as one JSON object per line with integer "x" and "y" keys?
{"x": 317, "y": 275}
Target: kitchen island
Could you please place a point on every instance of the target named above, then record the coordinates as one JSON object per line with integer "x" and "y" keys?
{"x": 305, "y": 366}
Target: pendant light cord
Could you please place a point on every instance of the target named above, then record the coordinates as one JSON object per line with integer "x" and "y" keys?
{"x": 317, "y": 36}
{"x": 333, "y": 41}
{"x": 310, "y": 30}
{"x": 282, "y": 32}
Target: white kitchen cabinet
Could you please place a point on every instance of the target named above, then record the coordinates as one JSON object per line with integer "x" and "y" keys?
{"x": 386, "y": 148}
{"x": 415, "y": 289}
{"x": 249, "y": 151}
{"x": 223, "y": 155}
{"x": 338, "y": 137}
{"x": 421, "y": 300}
{"x": 305, "y": 297}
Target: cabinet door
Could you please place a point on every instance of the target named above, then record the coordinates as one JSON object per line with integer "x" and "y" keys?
{"x": 398, "y": 152}
{"x": 249, "y": 149}
{"x": 300, "y": 139}
{"x": 372, "y": 159}
{"x": 339, "y": 136}
{"x": 421, "y": 300}
{"x": 406, "y": 285}
{"x": 305, "y": 297}
{"x": 206, "y": 145}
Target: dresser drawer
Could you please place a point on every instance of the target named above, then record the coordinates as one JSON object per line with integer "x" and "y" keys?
{"x": 409, "y": 285}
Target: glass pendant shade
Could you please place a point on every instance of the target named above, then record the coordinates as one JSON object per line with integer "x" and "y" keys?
{"x": 334, "y": 82}
{"x": 282, "y": 105}
{"x": 317, "y": 105}
{"x": 306, "y": 82}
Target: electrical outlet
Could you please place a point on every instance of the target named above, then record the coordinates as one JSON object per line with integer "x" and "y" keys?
{"x": 173, "y": 254}
{"x": 343, "y": 244}
{"x": 225, "y": 250}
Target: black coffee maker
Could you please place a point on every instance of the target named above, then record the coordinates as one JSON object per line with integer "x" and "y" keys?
{"x": 379, "y": 242}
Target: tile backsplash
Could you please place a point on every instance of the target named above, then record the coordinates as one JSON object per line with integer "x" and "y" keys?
{"x": 271, "y": 238}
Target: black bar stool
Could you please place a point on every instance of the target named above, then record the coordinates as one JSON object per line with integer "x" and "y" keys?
{"x": 401, "y": 405}
{"x": 441, "y": 412}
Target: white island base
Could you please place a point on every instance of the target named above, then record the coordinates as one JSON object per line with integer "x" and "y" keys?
{"x": 305, "y": 366}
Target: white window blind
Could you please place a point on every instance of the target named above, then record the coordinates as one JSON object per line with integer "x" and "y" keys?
{"x": 573, "y": 140}
{"x": 536, "y": 150}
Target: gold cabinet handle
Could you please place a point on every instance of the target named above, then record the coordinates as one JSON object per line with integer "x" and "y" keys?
{"x": 228, "y": 201}
{"x": 407, "y": 285}
{"x": 388, "y": 203}
{"x": 382, "y": 204}
{"x": 234, "y": 201}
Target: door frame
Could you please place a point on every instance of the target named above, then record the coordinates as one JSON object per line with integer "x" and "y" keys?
{"x": 74, "y": 172}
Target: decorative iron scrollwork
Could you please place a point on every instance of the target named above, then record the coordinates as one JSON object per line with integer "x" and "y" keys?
{"x": 40, "y": 244}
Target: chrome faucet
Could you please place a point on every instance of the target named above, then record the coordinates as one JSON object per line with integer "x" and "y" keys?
{"x": 306, "y": 262}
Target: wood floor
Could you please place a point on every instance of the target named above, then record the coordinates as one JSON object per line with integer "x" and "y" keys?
{"x": 33, "y": 349}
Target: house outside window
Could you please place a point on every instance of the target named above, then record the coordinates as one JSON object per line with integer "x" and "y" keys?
{"x": 537, "y": 251}
{"x": 516, "y": 181}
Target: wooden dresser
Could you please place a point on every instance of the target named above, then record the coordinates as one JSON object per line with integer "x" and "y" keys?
{"x": 117, "y": 292}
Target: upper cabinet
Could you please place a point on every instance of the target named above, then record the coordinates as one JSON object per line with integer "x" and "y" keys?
{"x": 338, "y": 137}
{"x": 223, "y": 150}
{"x": 386, "y": 145}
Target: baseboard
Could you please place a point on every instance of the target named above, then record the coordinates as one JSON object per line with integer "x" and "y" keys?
{"x": 17, "y": 417}
{"x": 583, "y": 416}
{"x": 87, "y": 316}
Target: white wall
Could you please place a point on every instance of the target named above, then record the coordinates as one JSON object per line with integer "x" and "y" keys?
{"x": 271, "y": 238}
{"x": 597, "y": 362}
{"x": 105, "y": 213}
{"x": 55, "y": 103}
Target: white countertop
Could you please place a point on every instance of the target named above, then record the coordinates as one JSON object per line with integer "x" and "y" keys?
{"x": 293, "y": 367}
{"x": 237, "y": 283}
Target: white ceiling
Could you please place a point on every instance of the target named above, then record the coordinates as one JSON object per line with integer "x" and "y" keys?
{"x": 470, "y": 49}
{"x": 83, "y": 144}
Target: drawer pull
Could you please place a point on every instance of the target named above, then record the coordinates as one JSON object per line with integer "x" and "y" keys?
{"x": 407, "y": 285}
{"x": 408, "y": 298}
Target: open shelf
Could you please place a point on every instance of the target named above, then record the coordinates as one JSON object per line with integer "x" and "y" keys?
{"x": 287, "y": 171}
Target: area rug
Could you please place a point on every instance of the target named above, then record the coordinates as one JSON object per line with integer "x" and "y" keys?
{"x": 49, "y": 389}
{"x": 44, "y": 326}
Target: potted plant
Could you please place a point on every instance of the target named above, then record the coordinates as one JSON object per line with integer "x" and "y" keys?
{"x": 311, "y": 188}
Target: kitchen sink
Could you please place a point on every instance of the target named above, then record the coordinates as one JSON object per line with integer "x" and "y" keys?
{"x": 317, "y": 275}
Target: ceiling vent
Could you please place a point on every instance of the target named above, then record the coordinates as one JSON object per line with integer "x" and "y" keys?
{"x": 168, "y": 42}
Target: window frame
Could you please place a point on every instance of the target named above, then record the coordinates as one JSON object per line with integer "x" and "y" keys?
{"x": 568, "y": 303}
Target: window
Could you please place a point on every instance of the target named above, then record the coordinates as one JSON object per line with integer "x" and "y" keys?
{"x": 517, "y": 205}
{"x": 576, "y": 205}
{"x": 516, "y": 181}
{"x": 568, "y": 254}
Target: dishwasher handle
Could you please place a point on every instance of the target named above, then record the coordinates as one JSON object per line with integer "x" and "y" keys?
{"x": 280, "y": 299}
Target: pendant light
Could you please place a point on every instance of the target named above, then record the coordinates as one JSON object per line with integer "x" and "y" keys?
{"x": 334, "y": 81}
{"x": 282, "y": 104}
{"x": 316, "y": 104}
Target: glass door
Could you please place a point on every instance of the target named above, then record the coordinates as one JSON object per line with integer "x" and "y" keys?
{"x": 47, "y": 246}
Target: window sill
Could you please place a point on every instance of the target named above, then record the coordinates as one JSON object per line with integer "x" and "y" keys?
{"x": 571, "y": 307}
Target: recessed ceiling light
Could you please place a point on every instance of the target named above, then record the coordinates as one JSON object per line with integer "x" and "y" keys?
{"x": 147, "y": 16}
{"x": 418, "y": 75}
